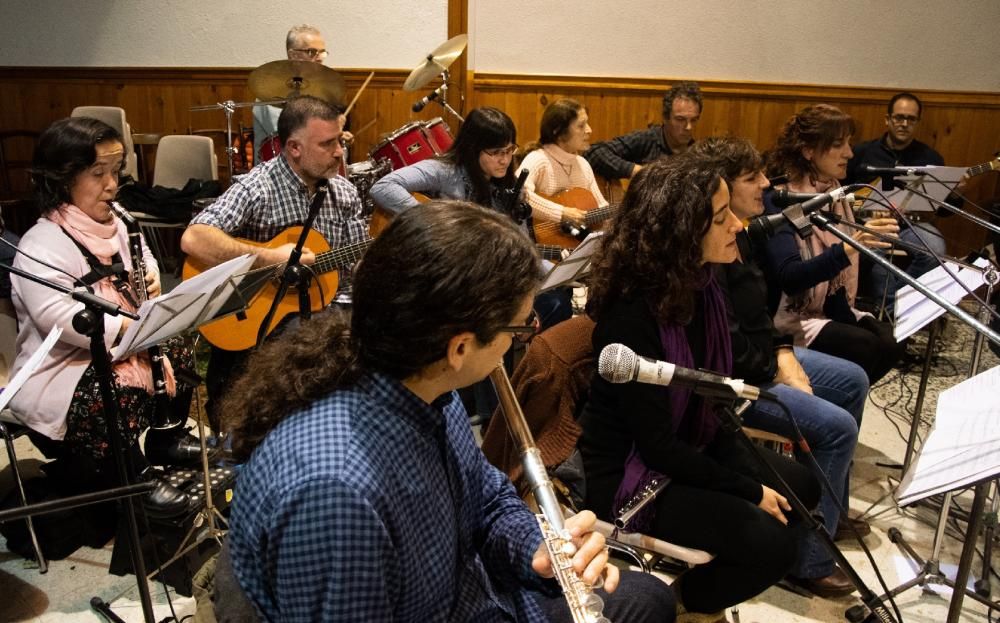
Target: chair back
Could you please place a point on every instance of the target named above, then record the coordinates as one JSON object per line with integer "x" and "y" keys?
{"x": 114, "y": 117}
{"x": 181, "y": 157}
{"x": 8, "y": 339}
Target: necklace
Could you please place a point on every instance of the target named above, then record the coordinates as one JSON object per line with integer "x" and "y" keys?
{"x": 567, "y": 168}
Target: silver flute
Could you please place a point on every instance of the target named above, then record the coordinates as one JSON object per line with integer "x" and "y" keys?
{"x": 584, "y": 604}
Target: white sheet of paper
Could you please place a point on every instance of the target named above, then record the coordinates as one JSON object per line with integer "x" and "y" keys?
{"x": 29, "y": 368}
{"x": 192, "y": 303}
{"x": 907, "y": 201}
{"x": 963, "y": 446}
{"x": 575, "y": 265}
{"x": 913, "y": 310}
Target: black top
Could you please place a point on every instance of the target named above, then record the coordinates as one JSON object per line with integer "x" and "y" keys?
{"x": 614, "y": 158}
{"x": 618, "y": 415}
{"x": 753, "y": 334}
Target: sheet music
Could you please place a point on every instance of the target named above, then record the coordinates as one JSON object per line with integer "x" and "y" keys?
{"x": 574, "y": 266}
{"x": 192, "y": 303}
{"x": 913, "y": 310}
{"x": 963, "y": 446}
{"x": 907, "y": 201}
{"x": 29, "y": 368}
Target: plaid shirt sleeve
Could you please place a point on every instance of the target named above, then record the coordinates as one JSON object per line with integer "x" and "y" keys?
{"x": 331, "y": 557}
{"x": 230, "y": 211}
{"x": 614, "y": 158}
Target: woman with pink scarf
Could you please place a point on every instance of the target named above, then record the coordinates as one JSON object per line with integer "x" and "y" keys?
{"x": 78, "y": 240}
{"x": 812, "y": 283}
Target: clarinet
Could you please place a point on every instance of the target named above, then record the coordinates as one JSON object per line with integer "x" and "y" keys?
{"x": 162, "y": 418}
{"x": 584, "y": 604}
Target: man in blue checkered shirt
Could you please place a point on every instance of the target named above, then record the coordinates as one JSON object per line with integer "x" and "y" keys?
{"x": 365, "y": 497}
{"x": 272, "y": 197}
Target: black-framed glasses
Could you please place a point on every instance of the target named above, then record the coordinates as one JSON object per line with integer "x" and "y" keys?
{"x": 311, "y": 52}
{"x": 897, "y": 118}
{"x": 529, "y": 328}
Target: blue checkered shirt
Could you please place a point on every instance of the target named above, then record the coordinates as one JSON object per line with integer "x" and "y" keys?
{"x": 614, "y": 158}
{"x": 371, "y": 505}
{"x": 271, "y": 198}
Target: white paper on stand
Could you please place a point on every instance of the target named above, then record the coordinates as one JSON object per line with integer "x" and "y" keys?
{"x": 29, "y": 367}
{"x": 575, "y": 265}
{"x": 913, "y": 310}
{"x": 191, "y": 304}
{"x": 907, "y": 201}
{"x": 963, "y": 446}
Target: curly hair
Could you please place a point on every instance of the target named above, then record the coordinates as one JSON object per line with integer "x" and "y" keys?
{"x": 682, "y": 90}
{"x": 816, "y": 127}
{"x": 730, "y": 156}
{"x": 653, "y": 248}
{"x": 440, "y": 269}
{"x": 65, "y": 149}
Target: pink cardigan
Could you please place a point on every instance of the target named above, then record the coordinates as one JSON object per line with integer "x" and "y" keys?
{"x": 44, "y": 400}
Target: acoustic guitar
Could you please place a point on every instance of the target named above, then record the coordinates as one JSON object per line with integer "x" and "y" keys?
{"x": 239, "y": 331}
{"x": 549, "y": 233}
{"x": 986, "y": 167}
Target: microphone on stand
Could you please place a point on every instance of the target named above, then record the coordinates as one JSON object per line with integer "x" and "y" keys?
{"x": 619, "y": 364}
{"x": 867, "y": 168}
{"x": 800, "y": 205}
{"x": 427, "y": 99}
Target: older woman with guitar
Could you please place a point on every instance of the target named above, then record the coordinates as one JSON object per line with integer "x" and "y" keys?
{"x": 561, "y": 189}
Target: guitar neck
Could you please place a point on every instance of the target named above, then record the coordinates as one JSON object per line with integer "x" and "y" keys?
{"x": 598, "y": 215}
{"x": 335, "y": 259}
{"x": 550, "y": 252}
{"x": 985, "y": 167}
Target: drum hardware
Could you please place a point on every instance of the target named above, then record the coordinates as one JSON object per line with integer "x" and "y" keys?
{"x": 229, "y": 107}
{"x": 436, "y": 64}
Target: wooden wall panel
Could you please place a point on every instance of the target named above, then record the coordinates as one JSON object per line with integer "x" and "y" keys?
{"x": 963, "y": 126}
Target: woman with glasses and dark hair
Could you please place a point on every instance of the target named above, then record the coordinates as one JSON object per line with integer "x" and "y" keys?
{"x": 555, "y": 165}
{"x": 81, "y": 241}
{"x": 813, "y": 282}
{"x": 361, "y": 465}
{"x": 653, "y": 289}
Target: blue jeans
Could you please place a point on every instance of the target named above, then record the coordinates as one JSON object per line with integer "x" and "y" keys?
{"x": 884, "y": 284}
{"x": 829, "y": 419}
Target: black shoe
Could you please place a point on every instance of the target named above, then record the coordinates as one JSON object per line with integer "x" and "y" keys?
{"x": 174, "y": 447}
{"x": 166, "y": 501}
{"x": 837, "y": 584}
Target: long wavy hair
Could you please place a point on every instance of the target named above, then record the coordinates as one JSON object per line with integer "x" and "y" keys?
{"x": 440, "y": 269}
{"x": 484, "y": 128}
{"x": 65, "y": 149}
{"x": 817, "y": 127}
{"x": 653, "y": 249}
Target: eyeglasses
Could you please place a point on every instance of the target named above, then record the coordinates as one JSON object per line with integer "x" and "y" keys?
{"x": 500, "y": 152}
{"x": 904, "y": 118}
{"x": 311, "y": 52}
{"x": 529, "y": 328}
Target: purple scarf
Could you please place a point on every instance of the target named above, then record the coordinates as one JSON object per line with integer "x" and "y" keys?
{"x": 694, "y": 427}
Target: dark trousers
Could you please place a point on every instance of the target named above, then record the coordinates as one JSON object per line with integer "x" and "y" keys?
{"x": 868, "y": 343}
{"x": 640, "y": 598}
{"x": 752, "y": 549}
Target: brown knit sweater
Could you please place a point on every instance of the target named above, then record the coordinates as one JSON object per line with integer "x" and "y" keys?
{"x": 552, "y": 379}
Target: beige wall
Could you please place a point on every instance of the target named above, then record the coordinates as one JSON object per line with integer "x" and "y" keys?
{"x": 919, "y": 44}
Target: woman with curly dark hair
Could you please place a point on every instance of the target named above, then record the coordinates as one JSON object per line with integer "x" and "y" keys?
{"x": 653, "y": 290}
{"x": 362, "y": 467}
{"x": 813, "y": 282}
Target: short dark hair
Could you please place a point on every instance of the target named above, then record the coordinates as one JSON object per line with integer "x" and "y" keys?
{"x": 685, "y": 90}
{"x": 904, "y": 96}
{"x": 557, "y": 119}
{"x": 64, "y": 150}
{"x": 299, "y": 110}
{"x": 730, "y": 156}
{"x": 439, "y": 269}
{"x": 484, "y": 128}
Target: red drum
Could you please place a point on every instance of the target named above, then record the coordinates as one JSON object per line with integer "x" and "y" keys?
{"x": 407, "y": 145}
{"x": 440, "y": 134}
{"x": 270, "y": 148}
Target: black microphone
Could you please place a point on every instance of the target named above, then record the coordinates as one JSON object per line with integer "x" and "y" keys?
{"x": 802, "y": 204}
{"x": 867, "y": 168}
{"x": 619, "y": 364}
{"x": 516, "y": 208}
{"x": 427, "y": 99}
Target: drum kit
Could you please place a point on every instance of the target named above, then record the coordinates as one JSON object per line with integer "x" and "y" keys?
{"x": 276, "y": 82}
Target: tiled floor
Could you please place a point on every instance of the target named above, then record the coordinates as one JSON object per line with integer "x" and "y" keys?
{"x": 63, "y": 594}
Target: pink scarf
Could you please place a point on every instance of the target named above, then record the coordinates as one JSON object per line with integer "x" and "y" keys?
{"x": 102, "y": 240}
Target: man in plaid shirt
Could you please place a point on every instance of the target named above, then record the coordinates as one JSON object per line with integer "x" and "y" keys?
{"x": 623, "y": 156}
{"x": 274, "y": 196}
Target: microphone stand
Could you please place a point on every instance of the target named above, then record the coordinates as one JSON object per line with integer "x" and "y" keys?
{"x": 295, "y": 273}
{"x": 930, "y": 568}
{"x": 90, "y": 322}
{"x": 730, "y": 422}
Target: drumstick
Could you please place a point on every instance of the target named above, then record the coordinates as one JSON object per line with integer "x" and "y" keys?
{"x": 366, "y": 126}
{"x": 358, "y": 94}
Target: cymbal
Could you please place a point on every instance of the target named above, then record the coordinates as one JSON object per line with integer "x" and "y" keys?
{"x": 436, "y": 62}
{"x": 287, "y": 79}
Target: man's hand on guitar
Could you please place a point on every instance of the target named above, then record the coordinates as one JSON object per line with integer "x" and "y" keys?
{"x": 573, "y": 216}
{"x": 280, "y": 255}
